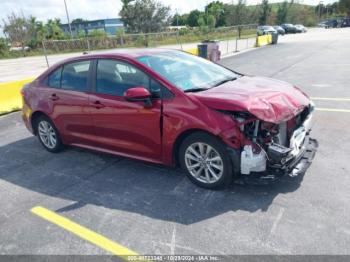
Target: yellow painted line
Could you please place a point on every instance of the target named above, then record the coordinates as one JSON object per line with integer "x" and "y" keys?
{"x": 83, "y": 232}
{"x": 332, "y": 110}
{"x": 331, "y": 99}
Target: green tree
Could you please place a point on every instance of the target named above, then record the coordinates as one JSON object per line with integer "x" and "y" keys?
{"x": 344, "y": 6}
{"x": 78, "y": 20}
{"x": 216, "y": 9}
{"x": 17, "y": 30}
{"x": 145, "y": 16}
{"x": 265, "y": 10}
{"x": 282, "y": 12}
{"x": 211, "y": 21}
{"x": 237, "y": 14}
{"x": 179, "y": 20}
{"x": 4, "y": 48}
{"x": 126, "y": 3}
{"x": 54, "y": 30}
{"x": 193, "y": 17}
{"x": 81, "y": 34}
{"x": 98, "y": 33}
{"x": 201, "y": 21}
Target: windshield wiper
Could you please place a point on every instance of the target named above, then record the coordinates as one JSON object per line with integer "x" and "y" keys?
{"x": 225, "y": 81}
{"x": 198, "y": 89}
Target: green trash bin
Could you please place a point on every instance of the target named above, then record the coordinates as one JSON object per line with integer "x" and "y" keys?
{"x": 274, "y": 38}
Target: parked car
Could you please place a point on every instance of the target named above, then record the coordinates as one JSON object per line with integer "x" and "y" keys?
{"x": 345, "y": 22}
{"x": 279, "y": 30}
{"x": 322, "y": 24}
{"x": 266, "y": 29}
{"x": 300, "y": 29}
{"x": 333, "y": 23}
{"x": 173, "y": 108}
{"x": 289, "y": 28}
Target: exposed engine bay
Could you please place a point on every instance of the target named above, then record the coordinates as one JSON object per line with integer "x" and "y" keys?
{"x": 273, "y": 146}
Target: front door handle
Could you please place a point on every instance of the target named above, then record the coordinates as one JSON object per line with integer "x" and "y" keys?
{"x": 54, "y": 97}
{"x": 97, "y": 104}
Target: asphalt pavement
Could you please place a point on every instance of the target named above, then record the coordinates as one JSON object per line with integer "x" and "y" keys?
{"x": 152, "y": 209}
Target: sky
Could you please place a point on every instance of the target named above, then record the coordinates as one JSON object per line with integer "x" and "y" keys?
{"x": 98, "y": 9}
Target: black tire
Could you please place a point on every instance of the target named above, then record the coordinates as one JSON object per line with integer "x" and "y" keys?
{"x": 58, "y": 146}
{"x": 219, "y": 148}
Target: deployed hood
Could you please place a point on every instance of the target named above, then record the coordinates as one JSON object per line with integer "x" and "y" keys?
{"x": 268, "y": 99}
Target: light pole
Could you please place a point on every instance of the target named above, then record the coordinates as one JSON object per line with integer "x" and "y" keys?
{"x": 70, "y": 28}
{"x": 319, "y": 9}
{"x": 177, "y": 17}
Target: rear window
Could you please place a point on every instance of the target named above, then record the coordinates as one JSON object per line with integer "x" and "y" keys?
{"x": 54, "y": 79}
{"x": 75, "y": 76}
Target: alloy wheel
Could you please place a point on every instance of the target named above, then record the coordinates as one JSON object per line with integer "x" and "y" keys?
{"x": 47, "y": 134}
{"x": 204, "y": 163}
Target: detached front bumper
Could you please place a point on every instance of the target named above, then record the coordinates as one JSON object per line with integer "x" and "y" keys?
{"x": 296, "y": 162}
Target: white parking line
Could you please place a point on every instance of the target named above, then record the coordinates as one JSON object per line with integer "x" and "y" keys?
{"x": 331, "y": 99}
{"x": 332, "y": 110}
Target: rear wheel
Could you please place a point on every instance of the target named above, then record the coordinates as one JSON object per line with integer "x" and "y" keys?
{"x": 48, "y": 135}
{"x": 206, "y": 160}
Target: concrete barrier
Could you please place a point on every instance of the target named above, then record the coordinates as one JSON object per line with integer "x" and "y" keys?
{"x": 10, "y": 96}
{"x": 193, "y": 51}
{"x": 263, "y": 40}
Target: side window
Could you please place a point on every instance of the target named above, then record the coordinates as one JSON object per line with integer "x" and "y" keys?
{"x": 75, "y": 76}
{"x": 115, "y": 77}
{"x": 54, "y": 79}
{"x": 160, "y": 91}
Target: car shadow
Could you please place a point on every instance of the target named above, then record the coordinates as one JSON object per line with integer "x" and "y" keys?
{"x": 85, "y": 177}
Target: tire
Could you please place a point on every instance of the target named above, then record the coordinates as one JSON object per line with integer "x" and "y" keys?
{"x": 48, "y": 135}
{"x": 212, "y": 174}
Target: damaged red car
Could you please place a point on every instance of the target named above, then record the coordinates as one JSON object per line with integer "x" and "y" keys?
{"x": 169, "y": 107}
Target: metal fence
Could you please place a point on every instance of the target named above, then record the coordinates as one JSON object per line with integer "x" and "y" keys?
{"x": 232, "y": 39}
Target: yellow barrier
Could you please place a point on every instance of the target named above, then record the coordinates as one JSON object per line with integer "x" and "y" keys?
{"x": 10, "y": 96}
{"x": 263, "y": 40}
{"x": 193, "y": 51}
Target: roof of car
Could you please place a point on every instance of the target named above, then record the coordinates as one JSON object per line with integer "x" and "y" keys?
{"x": 130, "y": 53}
{"x": 126, "y": 52}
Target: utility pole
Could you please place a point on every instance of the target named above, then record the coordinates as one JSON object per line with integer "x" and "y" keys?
{"x": 70, "y": 28}
{"x": 177, "y": 17}
{"x": 319, "y": 9}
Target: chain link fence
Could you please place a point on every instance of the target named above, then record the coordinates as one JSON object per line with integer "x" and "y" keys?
{"x": 232, "y": 39}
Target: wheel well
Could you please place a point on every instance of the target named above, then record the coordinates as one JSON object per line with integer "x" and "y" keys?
{"x": 181, "y": 138}
{"x": 34, "y": 118}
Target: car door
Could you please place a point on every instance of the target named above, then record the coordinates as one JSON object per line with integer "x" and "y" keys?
{"x": 129, "y": 128}
{"x": 69, "y": 98}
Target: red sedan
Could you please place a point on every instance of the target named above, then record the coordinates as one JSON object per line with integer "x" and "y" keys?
{"x": 169, "y": 107}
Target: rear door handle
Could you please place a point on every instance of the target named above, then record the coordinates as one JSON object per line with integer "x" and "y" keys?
{"x": 54, "y": 97}
{"x": 97, "y": 104}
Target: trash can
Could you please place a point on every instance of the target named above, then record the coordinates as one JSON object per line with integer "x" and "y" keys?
{"x": 274, "y": 38}
{"x": 203, "y": 51}
{"x": 209, "y": 49}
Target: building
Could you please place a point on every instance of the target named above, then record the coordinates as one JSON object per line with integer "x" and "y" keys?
{"x": 110, "y": 26}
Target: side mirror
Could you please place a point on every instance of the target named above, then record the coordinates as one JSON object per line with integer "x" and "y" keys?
{"x": 138, "y": 94}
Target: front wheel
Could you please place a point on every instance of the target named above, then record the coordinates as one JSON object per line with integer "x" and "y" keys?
{"x": 206, "y": 160}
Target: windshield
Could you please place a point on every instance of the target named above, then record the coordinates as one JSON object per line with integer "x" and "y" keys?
{"x": 186, "y": 71}
{"x": 266, "y": 27}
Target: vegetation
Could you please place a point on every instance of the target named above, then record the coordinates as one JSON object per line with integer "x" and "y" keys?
{"x": 344, "y": 6}
{"x": 150, "y": 16}
{"x": 144, "y": 16}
